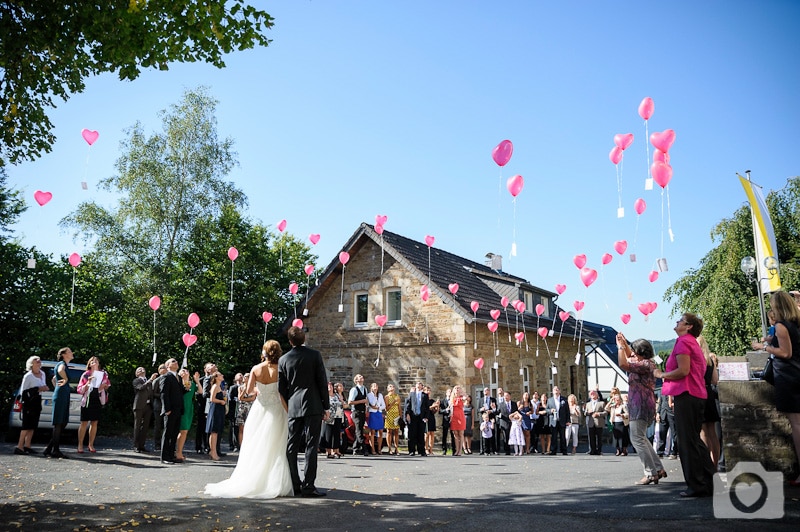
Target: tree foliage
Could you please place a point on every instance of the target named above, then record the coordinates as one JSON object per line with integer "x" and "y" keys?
{"x": 717, "y": 289}
{"x": 49, "y": 48}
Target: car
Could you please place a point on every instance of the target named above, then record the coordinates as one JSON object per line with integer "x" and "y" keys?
{"x": 74, "y": 371}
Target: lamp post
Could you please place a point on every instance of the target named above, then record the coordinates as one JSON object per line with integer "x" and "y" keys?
{"x": 749, "y": 268}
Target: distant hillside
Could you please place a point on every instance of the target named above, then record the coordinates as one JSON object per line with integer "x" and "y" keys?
{"x": 666, "y": 345}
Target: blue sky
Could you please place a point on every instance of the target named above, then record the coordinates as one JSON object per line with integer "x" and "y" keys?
{"x": 360, "y": 108}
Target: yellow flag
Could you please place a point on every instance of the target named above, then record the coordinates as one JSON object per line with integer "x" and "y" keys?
{"x": 763, "y": 234}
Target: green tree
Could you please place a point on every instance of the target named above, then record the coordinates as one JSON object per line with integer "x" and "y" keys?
{"x": 717, "y": 289}
{"x": 49, "y": 48}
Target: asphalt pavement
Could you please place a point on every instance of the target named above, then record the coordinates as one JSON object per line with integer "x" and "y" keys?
{"x": 117, "y": 489}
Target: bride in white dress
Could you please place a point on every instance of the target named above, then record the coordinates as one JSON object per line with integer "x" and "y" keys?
{"x": 262, "y": 471}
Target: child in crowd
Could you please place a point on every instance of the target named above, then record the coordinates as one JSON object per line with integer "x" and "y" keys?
{"x": 516, "y": 438}
{"x": 487, "y": 433}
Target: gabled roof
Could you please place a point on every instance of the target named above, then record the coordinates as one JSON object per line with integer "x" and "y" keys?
{"x": 477, "y": 282}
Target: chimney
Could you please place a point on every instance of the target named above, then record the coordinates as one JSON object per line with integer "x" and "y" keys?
{"x": 495, "y": 262}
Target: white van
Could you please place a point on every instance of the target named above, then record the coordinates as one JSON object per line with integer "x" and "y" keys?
{"x": 74, "y": 371}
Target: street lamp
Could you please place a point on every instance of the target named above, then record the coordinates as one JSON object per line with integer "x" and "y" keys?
{"x": 748, "y": 267}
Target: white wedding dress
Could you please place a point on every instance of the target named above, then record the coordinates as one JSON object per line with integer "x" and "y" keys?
{"x": 262, "y": 471}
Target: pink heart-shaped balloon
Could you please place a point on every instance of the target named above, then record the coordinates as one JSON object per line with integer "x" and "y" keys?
{"x": 344, "y": 257}
{"x": 515, "y": 184}
{"x": 620, "y": 246}
{"x": 492, "y": 326}
{"x": 520, "y": 306}
{"x": 542, "y": 332}
{"x": 193, "y": 320}
{"x": 539, "y": 309}
{"x": 579, "y": 261}
{"x": 662, "y": 173}
{"x": 519, "y": 336}
{"x": 293, "y": 288}
{"x": 606, "y": 258}
{"x": 189, "y": 339}
{"x": 478, "y": 363}
{"x": 504, "y": 301}
{"x": 625, "y": 318}
{"x": 309, "y": 269}
{"x": 297, "y": 322}
{"x": 429, "y": 240}
{"x": 646, "y": 108}
{"x": 90, "y": 136}
{"x": 501, "y": 153}
{"x": 663, "y": 139}
{"x": 74, "y": 260}
{"x": 154, "y": 303}
{"x": 623, "y": 140}
{"x": 615, "y": 155}
{"x": 42, "y": 197}
{"x": 659, "y": 155}
{"x": 588, "y": 276}
{"x": 564, "y": 315}
{"x": 233, "y": 253}
{"x": 424, "y": 292}
{"x": 314, "y": 238}
{"x": 644, "y": 308}
{"x": 282, "y": 226}
{"x": 381, "y": 219}
{"x": 266, "y": 316}
{"x": 578, "y": 305}
{"x": 653, "y": 306}
{"x": 379, "y": 229}
{"x": 474, "y": 306}
{"x": 494, "y": 313}
{"x": 561, "y": 288}
{"x": 453, "y": 287}
{"x": 653, "y": 276}
{"x": 380, "y": 319}
{"x": 639, "y": 206}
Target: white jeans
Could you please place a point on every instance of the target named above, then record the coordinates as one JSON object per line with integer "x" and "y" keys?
{"x": 645, "y": 452}
{"x": 572, "y": 431}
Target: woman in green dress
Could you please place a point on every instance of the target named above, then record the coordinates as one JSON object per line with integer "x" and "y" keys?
{"x": 61, "y": 396}
{"x": 189, "y": 389}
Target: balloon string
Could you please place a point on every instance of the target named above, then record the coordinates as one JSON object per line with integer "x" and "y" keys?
{"x": 72, "y": 300}
{"x": 662, "y": 222}
{"x": 341, "y": 297}
{"x": 514, "y": 231}
{"x": 523, "y": 331}
{"x": 377, "y": 360}
{"x": 265, "y": 334}
{"x": 669, "y": 221}
{"x": 232, "y": 281}
{"x": 619, "y": 186}
{"x": 154, "y": 337}
{"x": 499, "y": 201}
{"x": 560, "y": 332}
{"x": 86, "y": 164}
{"x": 475, "y": 329}
{"x": 647, "y": 148}
{"x": 381, "y": 253}
{"x": 508, "y": 325}
{"x": 429, "y": 265}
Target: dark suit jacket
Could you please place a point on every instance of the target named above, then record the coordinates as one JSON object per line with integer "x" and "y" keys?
{"x": 171, "y": 394}
{"x": 144, "y": 393}
{"x": 502, "y": 414}
{"x": 303, "y": 383}
{"x": 562, "y": 414}
{"x": 424, "y": 412}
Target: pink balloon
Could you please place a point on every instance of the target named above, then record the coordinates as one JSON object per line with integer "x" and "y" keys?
{"x": 663, "y": 139}
{"x": 504, "y": 301}
{"x": 266, "y": 316}
{"x": 561, "y": 288}
{"x": 588, "y": 276}
{"x": 519, "y": 336}
{"x": 453, "y": 287}
{"x": 293, "y": 288}
{"x": 539, "y": 309}
{"x": 625, "y": 318}
{"x": 492, "y": 326}
{"x": 653, "y": 306}
{"x": 579, "y": 261}
{"x": 542, "y": 331}
{"x": 429, "y": 240}
{"x": 193, "y": 320}
{"x": 379, "y": 229}
{"x": 578, "y": 305}
{"x": 297, "y": 322}
{"x": 520, "y": 306}
{"x": 155, "y": 302}
{"x": 380, "y": 319}
{"x": 381, "y": 219}
{"x": 314, "y": 238}
{"x": 90, "y": 136}
{"x": 42, "y": 197}
{"x": 189, "y": 339}
{"x": 564, "y": 315}
{"x": 478, "y": 363}
{"x": 620, "y": 246}
{"x": 623, "y": 140}
{"x": 606, "y": 258}
{"x": 282, "y": 226}
{"x": 474, "y": 306}
{"x": 639, "y": 206}
{"x": 424, "y": 292}
{"x": 74, "y": 260}
{"x": 644, "y": 308}
{"x": 646, "y": 108}
{"x": 659, "y": 155}
{"x": 233, "y": 253}
{"x": 344, "y": 257}
{"x": 501, "y": 153}
{"x": 515, "y": 184}
{"x": 662, "y": 173}
{"x": 494, "y": 313}
{"x": 615, "y": 155}
{"x": 309, "y": 269}
{"x": 653, "y": 276}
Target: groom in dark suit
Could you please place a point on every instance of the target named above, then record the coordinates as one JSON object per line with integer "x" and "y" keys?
{"x": 171, "y": 410}
{"x": 303, "y": 384}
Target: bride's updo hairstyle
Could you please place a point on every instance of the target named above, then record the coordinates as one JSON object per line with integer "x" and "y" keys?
{"x": 271, "y": 352}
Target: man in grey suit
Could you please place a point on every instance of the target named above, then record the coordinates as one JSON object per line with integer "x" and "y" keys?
{"x": 595, "y": 412}
{"x": 303, "y": 384}
{"x": 142, "y": 408}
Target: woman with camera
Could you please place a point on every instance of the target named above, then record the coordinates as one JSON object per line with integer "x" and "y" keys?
{"x": 93, "y": 385}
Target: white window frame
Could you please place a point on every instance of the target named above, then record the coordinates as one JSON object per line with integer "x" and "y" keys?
{"x": 386, "y": 294}
{"x": 526, "y": 384}
{"x": 356, "y": 297}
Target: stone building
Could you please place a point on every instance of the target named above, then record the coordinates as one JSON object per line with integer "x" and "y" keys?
{"x": 439, "y": 339}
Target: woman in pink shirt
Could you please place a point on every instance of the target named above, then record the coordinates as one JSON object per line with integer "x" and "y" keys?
{"x": 683, "y": 377}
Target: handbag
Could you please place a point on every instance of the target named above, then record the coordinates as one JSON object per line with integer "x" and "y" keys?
{"x": 768, "y": 374}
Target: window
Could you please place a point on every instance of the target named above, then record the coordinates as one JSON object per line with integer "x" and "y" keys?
{"x": 394, "y": 306}
{"x": 526, "y": 385}
{"x": 493, "y": 380}
{"x": 531, "y": 300}
{"x": 361, "y": 309}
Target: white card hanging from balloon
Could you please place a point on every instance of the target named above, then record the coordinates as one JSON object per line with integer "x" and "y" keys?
{"x": 550, "y": 333}
{"x": 621, "y": 212}
{"x": 521, "y": 372}
{"x": 633, "y": 257}
{"x": 31, "y": 263}
{"x": 662, "y": 265}
{"x": 556, "y": 355}
{"x": 554, "y": 370}
{"x": 657, "y": 359}
{"x": 84, "y": 185}
{"x": 497, "y": 352}
{"x": 514, "y": 249}
{"x": 648, "y": 183}
{"x": 305, "y": 312}
{"x": 495, "y": 365}
{"x": 341, "y": 307}
{"x": 578, "y": 359}
{"x": 231, "y": 304}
